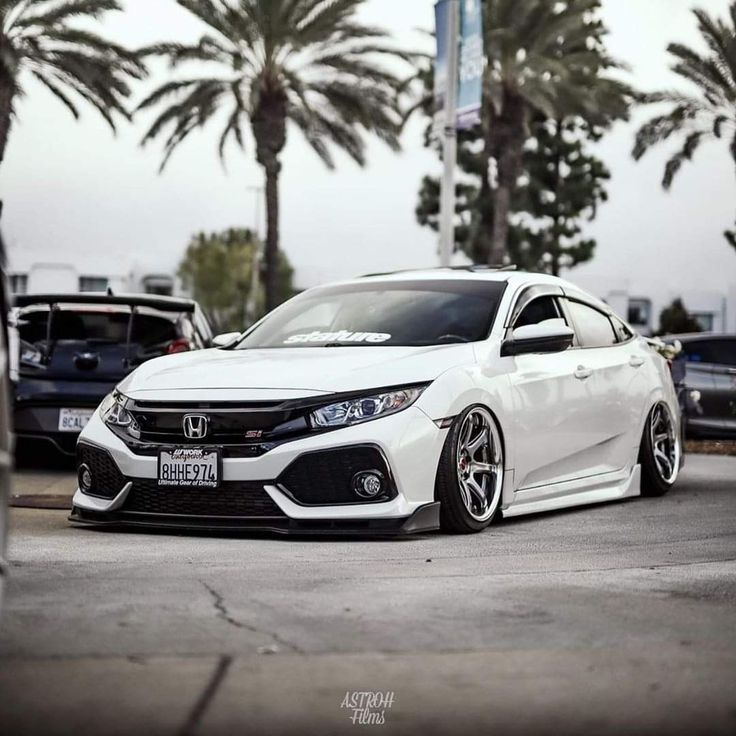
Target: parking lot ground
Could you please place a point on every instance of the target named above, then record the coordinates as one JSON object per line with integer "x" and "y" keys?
{"x": 612, "y": 619}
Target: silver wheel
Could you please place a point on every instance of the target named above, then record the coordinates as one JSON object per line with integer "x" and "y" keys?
{"x": 665, "y": 443}
{"x": 479, "y": 461}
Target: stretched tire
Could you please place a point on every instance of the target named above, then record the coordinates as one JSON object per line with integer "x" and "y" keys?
{"x": 470, "y": 473}
{"x": 660, "y": 452}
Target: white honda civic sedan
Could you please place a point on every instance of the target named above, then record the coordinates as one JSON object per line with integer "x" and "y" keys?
{"x": 388, "y": 405}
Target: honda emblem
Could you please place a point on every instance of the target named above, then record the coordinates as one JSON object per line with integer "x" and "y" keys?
{"x": 195, "y": 426}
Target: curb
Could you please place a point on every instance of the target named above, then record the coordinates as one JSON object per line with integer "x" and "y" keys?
{"x": 41, "y": 501}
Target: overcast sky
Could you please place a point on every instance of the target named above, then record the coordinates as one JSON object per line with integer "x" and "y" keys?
{"x": 73, "y": 192}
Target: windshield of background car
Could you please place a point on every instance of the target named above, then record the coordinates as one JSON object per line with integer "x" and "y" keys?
{"x": 406, "y": 313}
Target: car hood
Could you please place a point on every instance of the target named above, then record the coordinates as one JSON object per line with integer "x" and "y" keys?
{"x": 284, "y": 373}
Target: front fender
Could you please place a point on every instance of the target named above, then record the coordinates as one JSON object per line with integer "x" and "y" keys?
{"x": 464, "y": 386}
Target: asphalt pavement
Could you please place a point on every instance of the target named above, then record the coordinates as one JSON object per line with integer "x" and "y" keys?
{"x": 611, "y": 619}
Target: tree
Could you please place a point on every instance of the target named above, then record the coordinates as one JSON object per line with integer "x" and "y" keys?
{"x": 565, "y": 185}
{"x": 310, "y": 63}
{"x": 546, "y": 57}
{"x": 217, "y": 269}
{"x": 676, "y": 320}
{"x": 708, "y": 113}
{"x": 36, "y": 37}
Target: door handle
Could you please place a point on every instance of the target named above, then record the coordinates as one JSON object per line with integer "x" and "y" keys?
{"x": 582, "y": 373}
{"x": 636, "y": 361}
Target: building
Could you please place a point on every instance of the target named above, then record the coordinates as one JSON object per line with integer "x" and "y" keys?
{"x": 715, "y": 311}
{"x": 30, "y": 275}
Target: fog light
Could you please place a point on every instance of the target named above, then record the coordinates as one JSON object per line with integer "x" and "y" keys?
{"x": 84, "y": 476}
{"x": 368, "y": 484}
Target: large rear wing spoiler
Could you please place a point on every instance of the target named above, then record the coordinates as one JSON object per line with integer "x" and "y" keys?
{"x": 164, "y": 303}
{"x": 133, "y": 301}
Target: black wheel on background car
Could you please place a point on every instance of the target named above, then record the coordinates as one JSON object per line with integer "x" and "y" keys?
{"x": 660, "y": 452}
{"x": 470, "y": 474}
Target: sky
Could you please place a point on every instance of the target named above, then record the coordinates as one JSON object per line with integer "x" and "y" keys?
{"x": 73, "y": 192}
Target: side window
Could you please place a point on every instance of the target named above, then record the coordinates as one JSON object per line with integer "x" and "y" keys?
{"x": 538, "y": 310}
{"x": 593, "y": 327}
{"x": 623, "y": 333}
{"x": 202, "y": 326}
{"x": 699, "y": 351}
{"x": 718, "y": 352}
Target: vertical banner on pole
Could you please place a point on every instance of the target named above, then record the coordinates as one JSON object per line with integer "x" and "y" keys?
{"x": 441, "y": 66}
{"x": 472, "y": 62}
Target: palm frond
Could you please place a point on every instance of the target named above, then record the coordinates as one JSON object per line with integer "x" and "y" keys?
{"x": 692, "y": 142}
{"x": 69, "y": 61}
{"x": 58, "y": 92}
{"x": 67, "y": 9}
{"x": 662, "y": 127}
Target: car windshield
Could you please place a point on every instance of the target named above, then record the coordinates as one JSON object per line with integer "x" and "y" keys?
{"x": 411, "y": 313}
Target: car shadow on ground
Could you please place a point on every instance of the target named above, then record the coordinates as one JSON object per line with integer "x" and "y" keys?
{"x": 39, "y": 456}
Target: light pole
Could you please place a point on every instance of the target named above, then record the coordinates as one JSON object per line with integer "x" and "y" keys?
{"x": 449, "y": 136}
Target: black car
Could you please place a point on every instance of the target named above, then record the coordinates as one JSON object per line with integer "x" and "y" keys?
{"x": 708, "y": 378}
{"x": 74, "y": 348}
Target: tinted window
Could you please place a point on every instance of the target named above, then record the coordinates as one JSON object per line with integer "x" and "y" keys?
{"x": 538, "y": 310}
{"x": 722, "y": 352}
{"x": 100, "y": 327}
{"x": 623, "y": 333}
{"x": 93, "y": 283}
{"x": 388, "y": 313}
{"x": 594, "y": 329}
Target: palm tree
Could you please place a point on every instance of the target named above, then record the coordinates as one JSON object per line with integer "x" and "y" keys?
{"x": 709, "y": 113}
{"x": 305, "y": 62}
{"x": 543, "y": 57}
{"x": 36, "y": 37}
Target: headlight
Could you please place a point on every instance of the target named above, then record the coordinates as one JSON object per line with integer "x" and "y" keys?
{"x": 364, "y": 409}
{"x": 113, "y": 411}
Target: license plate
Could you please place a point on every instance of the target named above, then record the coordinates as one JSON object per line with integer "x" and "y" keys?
{"x": 74, "y": 420}
{"x": 189, "y": 467}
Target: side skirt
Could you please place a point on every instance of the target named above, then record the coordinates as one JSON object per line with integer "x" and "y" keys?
{"x": 611, "y": 487}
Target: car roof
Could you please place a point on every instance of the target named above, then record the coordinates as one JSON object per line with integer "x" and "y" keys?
{"x": 164, "y": 303}
{"x": 515, "y": 279}
{"x": 698, "y": 336}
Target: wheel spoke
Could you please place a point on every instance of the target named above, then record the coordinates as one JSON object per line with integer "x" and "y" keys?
{"x": 478, "y": 493}
{"x": 478, "y": 442}
{"x": 485, "y": 468}
{"x": 467, "y": 500}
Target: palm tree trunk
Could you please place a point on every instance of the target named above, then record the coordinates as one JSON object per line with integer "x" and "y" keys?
{"x": 509, "y": 135}
{"x": 7, "y": 91}
{"x": 271, "y": 273}
{"x": 268, "y": 122}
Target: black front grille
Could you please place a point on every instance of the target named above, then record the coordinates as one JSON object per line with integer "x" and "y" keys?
{"x": 232, "y": 498}
{"x": 224, "y": 427}
{"x": 326, "y": 477}
{"x": 107, "y": 480}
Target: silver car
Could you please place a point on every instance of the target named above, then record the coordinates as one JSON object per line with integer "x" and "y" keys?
{"x": 708, "y": 377}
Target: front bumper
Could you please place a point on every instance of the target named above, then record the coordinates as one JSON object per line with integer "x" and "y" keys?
{"x": 409, "y": 441}
{"x": 425, "y": 519}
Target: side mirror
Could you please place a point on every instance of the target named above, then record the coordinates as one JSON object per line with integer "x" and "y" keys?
{"x": 550, "y": 336}
{"x": 220, "y": 341}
